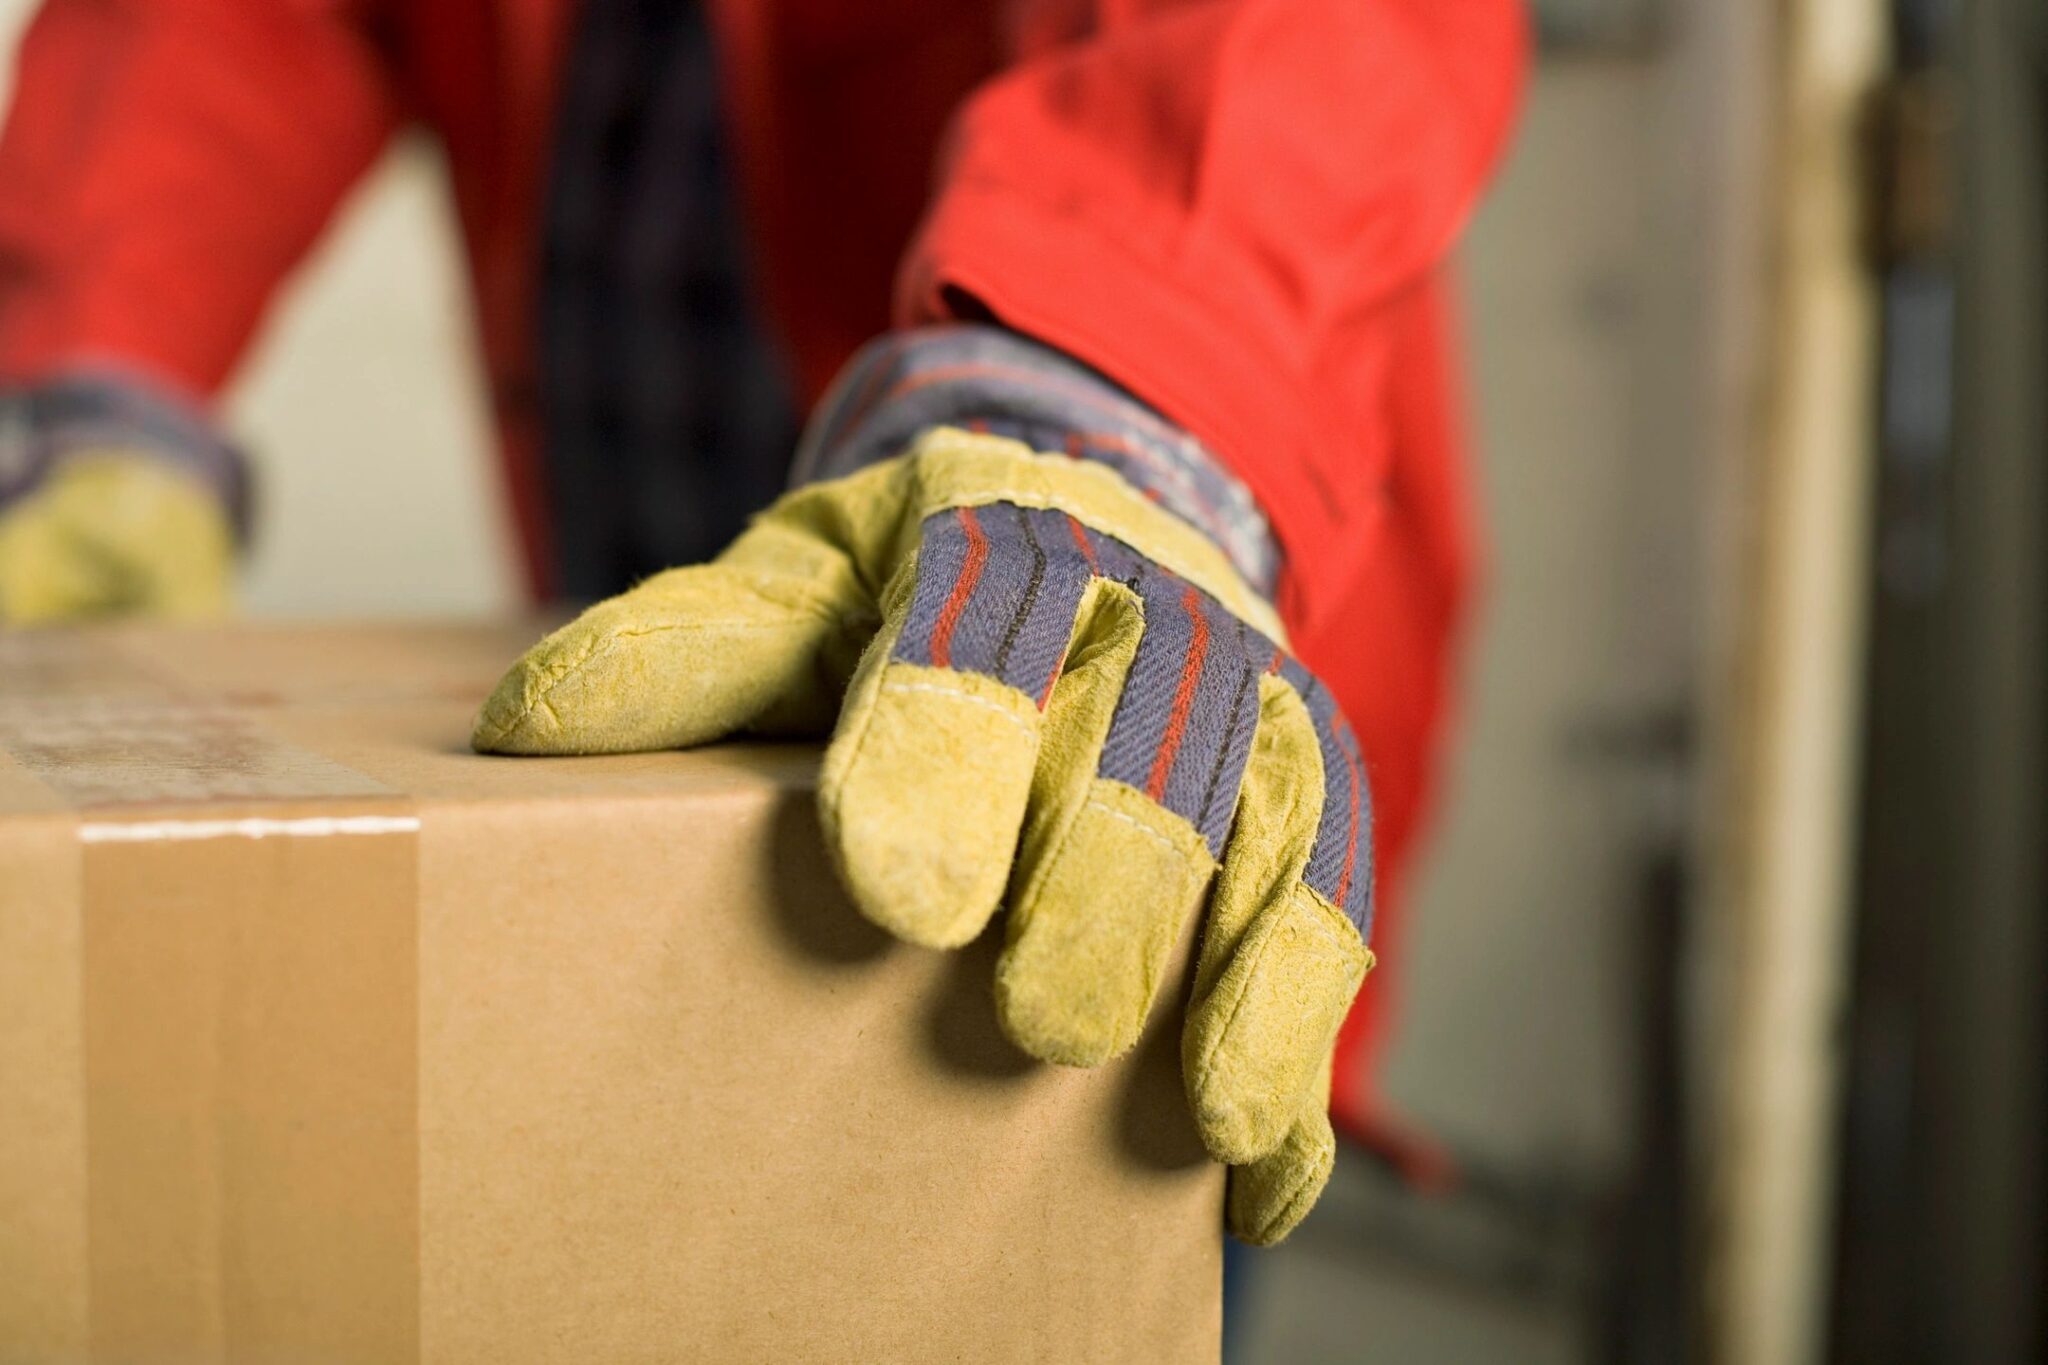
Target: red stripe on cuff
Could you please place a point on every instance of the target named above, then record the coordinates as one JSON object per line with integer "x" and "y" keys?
{"x": 1183, "y": 697}
{"x": 1087, "y": 550}
{"x": 1351, "y": 833}
{"x": 963, "y": 588}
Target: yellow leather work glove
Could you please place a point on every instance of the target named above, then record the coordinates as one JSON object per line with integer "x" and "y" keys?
{"x": 114, "y": 531}
{"x": 1047, "y": 691}
{"x": 117, "y": 496}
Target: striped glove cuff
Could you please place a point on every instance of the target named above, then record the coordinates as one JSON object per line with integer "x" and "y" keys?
{"x": 988, "y": 380}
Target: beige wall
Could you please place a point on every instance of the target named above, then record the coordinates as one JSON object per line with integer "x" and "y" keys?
{"x": 362, "y": 407}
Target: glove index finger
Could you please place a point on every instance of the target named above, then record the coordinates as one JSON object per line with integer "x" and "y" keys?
{"x": 928, "y": 778}
{"x": 1106, "y": 877}
{"x": 1132, "y": 808}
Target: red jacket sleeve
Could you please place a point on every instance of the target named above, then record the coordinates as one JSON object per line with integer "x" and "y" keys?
{"x": 164, "y": 164}
{"x": 1211, "y": 201}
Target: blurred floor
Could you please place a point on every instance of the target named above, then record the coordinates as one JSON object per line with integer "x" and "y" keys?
{"x": 1326, "y": 1297}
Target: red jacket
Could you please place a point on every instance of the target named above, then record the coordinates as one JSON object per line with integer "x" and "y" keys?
{"x": 1237, "y": 208}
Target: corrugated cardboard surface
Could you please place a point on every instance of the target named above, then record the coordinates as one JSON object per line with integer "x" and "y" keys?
{"x": 323, "y": 1039}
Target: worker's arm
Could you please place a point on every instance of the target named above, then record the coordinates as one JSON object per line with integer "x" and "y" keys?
{"x": 164, "y": 164}
{"x": 1210, "y": 201}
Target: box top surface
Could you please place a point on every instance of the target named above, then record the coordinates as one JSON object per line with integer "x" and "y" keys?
{"x": 147, "y": 720}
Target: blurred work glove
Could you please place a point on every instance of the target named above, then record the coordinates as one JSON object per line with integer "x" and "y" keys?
{"x": 1049, "y": 692}
{"x": 110, "y": 504}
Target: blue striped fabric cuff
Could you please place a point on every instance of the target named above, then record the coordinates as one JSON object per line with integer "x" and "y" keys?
{"x": 95, "y": 409}
{"x": 990, "y": 380}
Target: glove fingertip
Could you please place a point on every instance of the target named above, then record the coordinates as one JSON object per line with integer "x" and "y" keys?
{"x": 1094, "y": 927}
{"x": 1254, "y": 1046}
{"x": 510, "y": 719}
{"x": 922, "y": 797}
{"x": 1269, "y": 1197}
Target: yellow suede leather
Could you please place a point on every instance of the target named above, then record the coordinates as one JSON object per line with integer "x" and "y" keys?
{"x": 946, "y": 793}
{"x": 1272, "y": 1194}
{"x": 922, "y": 796}
{"x": 113, "y": 532}
{"x": 1279, "y": 964}
{"x": 1105, "y": 879}
{"x": 1090, "y": 937}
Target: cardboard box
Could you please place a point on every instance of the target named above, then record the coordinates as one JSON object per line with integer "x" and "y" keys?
{"x": 323, "y": 1039}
